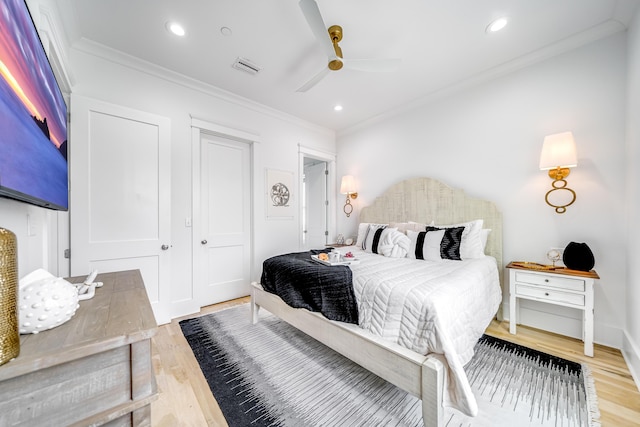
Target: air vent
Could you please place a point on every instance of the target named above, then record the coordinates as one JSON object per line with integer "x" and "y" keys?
{"x": 247, "y": 66}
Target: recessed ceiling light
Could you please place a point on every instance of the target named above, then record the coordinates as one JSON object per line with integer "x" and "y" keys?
{"x": 176, "y": 28}
{"x": 496, "y": 25}
{"x": 337, "y": 108}
{"x": 226, "y": 31}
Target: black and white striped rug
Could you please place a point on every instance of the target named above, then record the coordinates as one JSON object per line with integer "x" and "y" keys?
{"x": 271, "y": 374}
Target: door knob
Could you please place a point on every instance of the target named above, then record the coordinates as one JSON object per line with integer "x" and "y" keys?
{"x": 204, "y": 241}
{"x": 164, "y": 247}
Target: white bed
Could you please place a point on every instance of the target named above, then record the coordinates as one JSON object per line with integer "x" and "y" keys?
{"x": 421, "y": 200}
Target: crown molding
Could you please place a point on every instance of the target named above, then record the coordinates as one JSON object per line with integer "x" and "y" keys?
{"x": 591, "y": 35}
{"x": 89, "y": 47}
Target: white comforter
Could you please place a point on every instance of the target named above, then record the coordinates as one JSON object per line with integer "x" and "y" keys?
{"x": 429, "y": 307}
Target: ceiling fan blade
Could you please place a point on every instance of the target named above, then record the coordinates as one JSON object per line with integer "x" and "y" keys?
{"x": 375, "y": 65}
{"x": 314, "y": 19}
{"x": 314, "y": 81}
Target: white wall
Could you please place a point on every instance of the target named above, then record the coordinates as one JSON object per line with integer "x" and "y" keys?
{"x": 487, "y": 140}
{"x": 631, "y": 345}
{"x": 36, "y": 231}
{"x": 138, "y": 85}
{"x": 279, "y": 137}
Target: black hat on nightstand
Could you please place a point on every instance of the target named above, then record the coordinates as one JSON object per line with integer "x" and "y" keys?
{"x": 578, "y": 256}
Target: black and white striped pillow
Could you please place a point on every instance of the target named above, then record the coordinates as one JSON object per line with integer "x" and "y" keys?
{"x": 450, "y": 245}
{"x": 363, "y": 228}
{"x": 372, "y": 237}
{"x": 436, "y": 243}
{"x": 425, "y": 245}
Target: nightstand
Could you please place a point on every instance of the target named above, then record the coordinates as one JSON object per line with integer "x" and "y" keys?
{"x": 561, "y": 286}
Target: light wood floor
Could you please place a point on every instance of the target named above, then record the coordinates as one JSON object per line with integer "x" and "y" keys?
{"x": 185, "y": 398}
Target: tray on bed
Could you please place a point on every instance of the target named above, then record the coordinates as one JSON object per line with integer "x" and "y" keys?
{"x": 343, "y": 261}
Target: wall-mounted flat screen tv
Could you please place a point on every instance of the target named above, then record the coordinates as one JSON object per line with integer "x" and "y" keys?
{"x": 33, "y": 115}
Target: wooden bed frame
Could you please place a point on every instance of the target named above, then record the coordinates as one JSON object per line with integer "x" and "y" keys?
{"x": 420, "y": 200}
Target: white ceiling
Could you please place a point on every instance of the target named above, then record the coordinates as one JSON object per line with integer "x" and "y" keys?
{"x": 442, "y": 44}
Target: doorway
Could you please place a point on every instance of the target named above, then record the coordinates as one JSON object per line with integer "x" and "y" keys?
{"x": 317, "y": 209}
{"x": 225, "y": 215}
{"x": 222, "y": 212}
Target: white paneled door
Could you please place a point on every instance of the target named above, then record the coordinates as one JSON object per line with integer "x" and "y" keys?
{"x": 120, "y": 195}
{"x": 224, "y": 255}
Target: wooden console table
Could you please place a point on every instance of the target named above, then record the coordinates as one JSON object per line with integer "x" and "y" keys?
{"x": 93, "y": 370}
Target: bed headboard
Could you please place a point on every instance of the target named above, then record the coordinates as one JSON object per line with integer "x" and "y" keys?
{"x": 426, "y": 199}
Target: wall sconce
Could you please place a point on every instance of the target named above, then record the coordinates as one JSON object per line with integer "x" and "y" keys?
{"x": 558, "y": 155}
{"x": 348, "y": 187}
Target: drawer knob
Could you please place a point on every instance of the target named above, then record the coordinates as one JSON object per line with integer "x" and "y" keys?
{"x": 546, "y": 294}
{"x": 546, "y": 280}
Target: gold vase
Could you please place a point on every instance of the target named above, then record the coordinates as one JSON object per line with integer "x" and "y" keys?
{"x": 9, "y": 337}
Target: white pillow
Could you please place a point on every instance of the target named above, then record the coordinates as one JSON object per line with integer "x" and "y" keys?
{"x": 363, "y": 227}
{"x": 370, "y": 243}
{"x": 393, "y": 243}
{"x": 430, "y": 246}
{"x": 404, "y": 226}
{"x": 471, "y": 244}
{"x": 484, "y": 235}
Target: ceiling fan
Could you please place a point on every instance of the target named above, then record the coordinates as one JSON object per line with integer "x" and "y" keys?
{"x": 334, "y": 53}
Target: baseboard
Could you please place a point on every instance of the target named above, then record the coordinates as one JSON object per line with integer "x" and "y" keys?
{"x": 184, "y": 308}
{"x": 631, "y": 354}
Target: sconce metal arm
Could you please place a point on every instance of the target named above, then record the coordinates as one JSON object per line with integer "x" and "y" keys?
{"x": 559, "y": 183}
{"x": 348, "y": 207}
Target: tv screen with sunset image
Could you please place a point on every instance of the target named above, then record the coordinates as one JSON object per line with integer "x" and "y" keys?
{"x": 33, "y": 115}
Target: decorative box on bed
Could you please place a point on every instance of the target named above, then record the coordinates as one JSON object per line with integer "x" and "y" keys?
{"x": 424, "y": 358}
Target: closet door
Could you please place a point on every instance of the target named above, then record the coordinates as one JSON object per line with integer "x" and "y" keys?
{"x": 224, "y": 255}
{"x": 120, "y": 195}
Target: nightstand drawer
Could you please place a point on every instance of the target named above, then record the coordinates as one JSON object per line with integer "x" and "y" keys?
{"x": 549, "y": 295}
{"x": 549, "y": 281}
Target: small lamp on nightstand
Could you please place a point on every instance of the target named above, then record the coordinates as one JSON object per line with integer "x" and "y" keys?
{"x": 348, "y": 187}
{"x": 558, "y": 155}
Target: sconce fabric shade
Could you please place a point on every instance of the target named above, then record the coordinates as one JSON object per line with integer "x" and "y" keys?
{"x": 348, "y": 185}
{"x": 558, "y": 150}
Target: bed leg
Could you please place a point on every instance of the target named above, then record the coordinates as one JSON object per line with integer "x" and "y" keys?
{"x": 432, "y": 389}
{"x": 255, "y": 308}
